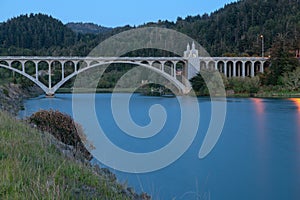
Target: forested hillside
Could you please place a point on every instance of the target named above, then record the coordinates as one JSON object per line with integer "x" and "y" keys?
{"x": 237, "y": 27}
{"x": 234, "y": 29}
{"x": 87, "y": 28}
{"x": 39, "y": 34}
{"x": 34, "y": 32}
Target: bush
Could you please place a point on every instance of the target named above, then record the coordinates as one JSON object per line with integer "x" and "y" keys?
{"x": 63, "y": 128}
{"x": 244, "y": 85}
{"x": 209, "y": 79}
{"x": 291, "y": 80}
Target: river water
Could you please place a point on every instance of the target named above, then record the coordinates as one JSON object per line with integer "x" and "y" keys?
{"x": 256, "y": 157}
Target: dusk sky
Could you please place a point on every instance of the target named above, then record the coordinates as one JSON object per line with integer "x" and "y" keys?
{"x": 110, "y": 13}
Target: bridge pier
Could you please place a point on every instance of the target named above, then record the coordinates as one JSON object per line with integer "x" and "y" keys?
{"x": 50, "y": 95}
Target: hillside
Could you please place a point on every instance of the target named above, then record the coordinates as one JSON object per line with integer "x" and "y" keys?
{"x": 35, "y": 31}
{"x": 39, "y": 34}
{"x": 87, "y": 28}
{"x": 234, "y": 29}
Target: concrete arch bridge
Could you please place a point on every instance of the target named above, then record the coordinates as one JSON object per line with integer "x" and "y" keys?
{"x": 178, "y": 70}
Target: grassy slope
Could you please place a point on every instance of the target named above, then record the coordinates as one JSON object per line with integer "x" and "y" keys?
{"x": 33, "y": 168}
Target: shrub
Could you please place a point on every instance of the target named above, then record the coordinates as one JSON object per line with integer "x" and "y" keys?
{"x": 63, "y": 128}
{"x": 245, "y": 85}
{"x": 209, "y": 79}
{"x": 291, "y": 80}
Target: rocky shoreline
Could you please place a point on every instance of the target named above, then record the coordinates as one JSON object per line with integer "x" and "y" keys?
{"x": 12, "y": 96}
{"x": 11, "y": 101}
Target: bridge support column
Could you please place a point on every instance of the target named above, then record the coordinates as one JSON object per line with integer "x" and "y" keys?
{"x": 23, "y": 67}
{"x": 36, "y": 71}
{"x": 62, "y": 71}
{"x": 174, "y": 69}
{"x": 75, "y": 66}
{"x": 243, "y": 69}
{"x": 163, "y": 66}
{"x": 252, "y": 69}
{"x": 225, "y": 69}
{"x": 49, "y": 78}
{"x": 262, "y": 66}
{"x": 234, "y": 68}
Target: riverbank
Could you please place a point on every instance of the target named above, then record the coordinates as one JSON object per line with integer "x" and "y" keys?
{"x": 143, "y": 91}
{"x": 230, "y": 94}
{"x": 97, "y": 90}
{"x": 35, "y": 165}
{"x": 12, "y": 96}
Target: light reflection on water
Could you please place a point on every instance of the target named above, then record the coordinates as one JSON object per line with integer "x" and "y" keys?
{"x": 296, "y": 102}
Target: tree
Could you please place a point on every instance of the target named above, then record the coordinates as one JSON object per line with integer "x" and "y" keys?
{"x": 282, "y": 60}
{"x": 291, "y": 80}
{"x": 208, "y": 82}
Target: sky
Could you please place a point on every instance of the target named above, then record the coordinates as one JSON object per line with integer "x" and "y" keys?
{"x": 110, "y": 13}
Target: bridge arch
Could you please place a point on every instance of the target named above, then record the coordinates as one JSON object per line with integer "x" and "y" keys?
{"x": 69, "y": 67}
{"x": 229, "y": 69}
{"x": 168, "y": 67}
{"x": 211, "y": 65}
{"x": 202, "y": 65}
{"x": 145, "y": 62}
{"x": 258, "y": 67}
{"x": 30, "y": 68}
{"x": 33, "y": 79}
{"x": 157, "y": 65}
{"x": 248, "y": 65}
{"x": 177, "y": 83}
{"x": 81, "y": 64}
{"x": 16, "y": 64}
{"x": 239, "y": 69}
{"x": 220, "y": 66}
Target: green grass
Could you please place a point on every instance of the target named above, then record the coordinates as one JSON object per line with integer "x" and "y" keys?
{"x": 283, "y": 94}
{"x": 32, "y": 167}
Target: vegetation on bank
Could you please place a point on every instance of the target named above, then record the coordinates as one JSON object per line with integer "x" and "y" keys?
{"x": 33, "y": 166}
{"x": 245, "y": 87}
{"x": 63, "y": 128}
{"x": 281, "y": 78}
{"x": 12, "y": 95}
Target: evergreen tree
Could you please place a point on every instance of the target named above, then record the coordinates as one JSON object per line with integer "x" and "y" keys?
{"x": 282, "y": 60}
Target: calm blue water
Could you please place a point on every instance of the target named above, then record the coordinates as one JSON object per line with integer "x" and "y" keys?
{"x": 256, "y": 157}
